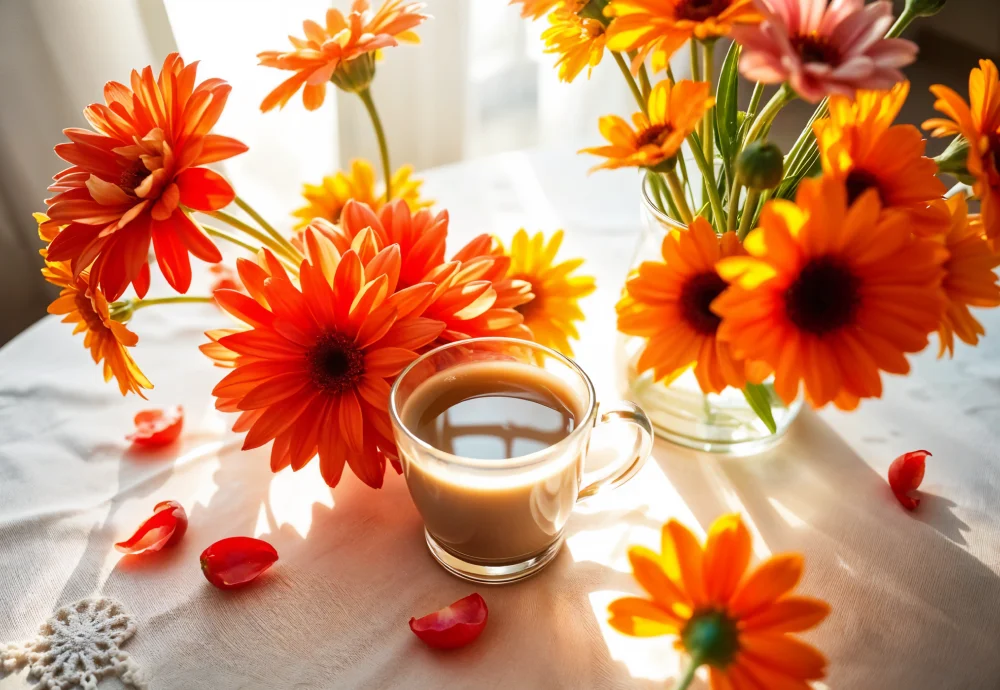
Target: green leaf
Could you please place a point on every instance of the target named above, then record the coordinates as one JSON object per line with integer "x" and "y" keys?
{"x": 759, "y": 400}
{"x": 726, "y": 119}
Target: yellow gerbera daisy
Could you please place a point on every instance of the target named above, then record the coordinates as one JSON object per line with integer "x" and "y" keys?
{"x": 579, "y": 41}
{"x": 674, "y": 112}
{"x": 552, "y": 312}
{"x": 969, "y": 279}
{"x": 327, "y": 199}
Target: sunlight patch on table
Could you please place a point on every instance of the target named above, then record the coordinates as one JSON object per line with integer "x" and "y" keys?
{"x": 292, "y": 496}
{"x": 631, "y": 514}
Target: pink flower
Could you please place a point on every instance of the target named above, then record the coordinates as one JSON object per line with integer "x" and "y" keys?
{"x": 822, "y": 48}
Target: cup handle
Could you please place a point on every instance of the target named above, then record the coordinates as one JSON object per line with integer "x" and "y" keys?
{"x": 629, "y": 461}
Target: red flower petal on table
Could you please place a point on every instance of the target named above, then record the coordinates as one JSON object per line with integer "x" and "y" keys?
{"x": 235, "y": 561}
{"x": 154, "y": 428}
{"x": 905, "y": 474}
{"x": 165, "y": 528}
{"x": 453, "y": 626}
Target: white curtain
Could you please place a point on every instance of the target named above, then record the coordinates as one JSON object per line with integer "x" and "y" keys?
{"x": 478, "y": 84}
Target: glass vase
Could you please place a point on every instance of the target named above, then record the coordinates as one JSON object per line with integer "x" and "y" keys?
{"x": 717, "y": 423}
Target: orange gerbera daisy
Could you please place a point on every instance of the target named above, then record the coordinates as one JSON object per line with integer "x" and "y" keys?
{"x": 313, "y": 371}
{"x": 674, "y": 112}
{"x": 78, "y": 303}
{"x": 343, "y": 51}
{"x": 969, "y": 279}
{"x": 739, "y": 623}
{"x": 979, "y": 122}
{"x": 327, "y": 199}
{"x": 831, "y": 294}
{"x": 579, "y": 42}
{"x": 134, "y": 179}
{"x": 553, "y": 310}
{"x": 859, "y": 145}
{"x": 663, "y": 26}
{"x": 669, "y": 303}
{"x": 473, "y": 295}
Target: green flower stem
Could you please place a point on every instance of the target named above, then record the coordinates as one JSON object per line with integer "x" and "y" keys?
{"x": 688, "y": 676}
{"x": 178, "y": 299}
{"x": 680, "y": 154}
{"x": 708, "y": 122}
{"x": 644, "y": 82}
{"x": 627, "y": 73}
{"x": 281, "y": 239}
{"x": 734, "y": 206}
{"x": 677, "y": 191}
{"x": 663, "y": 196}
{"x": 708, "y": 174}
{"x": 383, "y": 147}
{"x": 905, "y": 18}
{"x": 695, "y": 63}
{"x": 778, "y": 101}
{"x": 749, "y": 211}
{"x": 751, "y": 113}
{"x": 226, "y": 237}
{"x": 294, "y": 256}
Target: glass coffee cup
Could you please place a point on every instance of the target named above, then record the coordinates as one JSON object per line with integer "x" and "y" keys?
{"x": 493, "y": 435}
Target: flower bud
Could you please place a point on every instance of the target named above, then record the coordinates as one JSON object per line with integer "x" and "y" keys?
{"x": 954, "y": 158}
{"x": 760, "y": 166}
{"x": 354, "y": 76}
{"x": 924, "y": 8}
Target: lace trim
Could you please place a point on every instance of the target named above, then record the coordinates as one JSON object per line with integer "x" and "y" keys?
{"x": 77, "y": 647}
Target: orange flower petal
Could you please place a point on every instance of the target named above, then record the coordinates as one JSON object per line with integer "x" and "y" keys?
{"x": 771, "y": 580}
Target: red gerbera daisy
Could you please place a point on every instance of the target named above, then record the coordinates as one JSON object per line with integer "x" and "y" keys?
{"x": 313, "y": 371}
{"x": 134, "y": 177}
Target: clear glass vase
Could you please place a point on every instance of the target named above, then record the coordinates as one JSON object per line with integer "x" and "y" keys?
{"x": 680, "y": 412}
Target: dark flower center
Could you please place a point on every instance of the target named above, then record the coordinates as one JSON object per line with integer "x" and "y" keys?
{"x": 133, "y": 176}
{"x": 655, "y": 134}
{"x": 824, "y": 297}
{"x": 713, "y": 636}
{"x": 335, "y": 363}
{"x": 860, "y": 181}
{"x": 813, "y": 48}
{"x": 995, "y": 150}
{"x": 85, "y": 308}
{"x": 700, "y": 10}
{"x": 696, "y": 299}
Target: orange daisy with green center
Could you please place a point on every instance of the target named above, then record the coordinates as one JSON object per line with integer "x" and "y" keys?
{"x": 740, "y": 624}
{"x": 674, "y": 112}
{"x": 831, "y": 294}
{"x": 669, "y": 303}
{"x": 860, "y": 146}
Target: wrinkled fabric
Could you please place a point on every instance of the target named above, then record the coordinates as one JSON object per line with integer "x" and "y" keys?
{"x": 915, "y": 597}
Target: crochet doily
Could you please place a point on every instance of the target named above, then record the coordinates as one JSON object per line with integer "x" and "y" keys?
{"x": 77, "y": 647}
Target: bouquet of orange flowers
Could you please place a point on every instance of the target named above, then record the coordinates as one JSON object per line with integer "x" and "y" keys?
{"x": 329, "y": 314}
{"x": 818, "y": 269}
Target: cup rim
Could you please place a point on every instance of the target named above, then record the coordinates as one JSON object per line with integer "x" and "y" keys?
{"x": 519, "y": 461}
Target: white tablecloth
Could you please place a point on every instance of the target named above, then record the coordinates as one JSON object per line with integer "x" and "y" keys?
{"x": 916, "y": 597}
